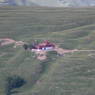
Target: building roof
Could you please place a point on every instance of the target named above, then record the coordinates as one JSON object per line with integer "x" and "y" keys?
{"x": 45, "y": 44}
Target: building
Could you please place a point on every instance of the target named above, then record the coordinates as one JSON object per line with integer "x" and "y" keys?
{"x": 46, "y": 45}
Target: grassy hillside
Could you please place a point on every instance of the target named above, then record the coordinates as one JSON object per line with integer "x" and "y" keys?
{"x": 73, "y": 74}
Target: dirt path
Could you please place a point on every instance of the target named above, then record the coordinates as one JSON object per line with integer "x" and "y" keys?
{"x": 41, "y": 54}
{"x": 62, "y": 51}
{"x": 8, "y": 41}
{"x": 86, "y": 50}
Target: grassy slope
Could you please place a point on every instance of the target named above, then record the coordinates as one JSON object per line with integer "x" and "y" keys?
{"x": 73, "y": 74}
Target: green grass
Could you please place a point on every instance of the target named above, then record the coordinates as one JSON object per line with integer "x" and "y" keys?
{"x": 71, "y": 74}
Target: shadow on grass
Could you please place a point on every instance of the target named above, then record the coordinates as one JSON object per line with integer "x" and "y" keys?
{"x": 12, "y": 83}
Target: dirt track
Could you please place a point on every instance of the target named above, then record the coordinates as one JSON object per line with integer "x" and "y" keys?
{"x": 42, "y": 54}
{"x": 8, "y": 41}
